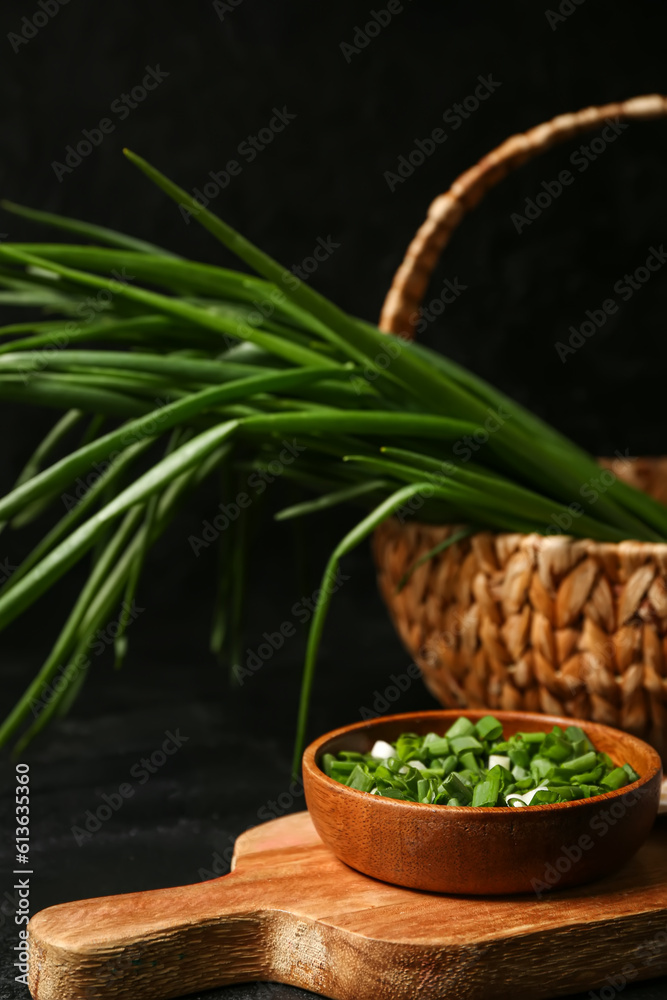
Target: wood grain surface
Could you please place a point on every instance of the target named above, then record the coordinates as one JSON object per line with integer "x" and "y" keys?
{"x": 291, "y": 912}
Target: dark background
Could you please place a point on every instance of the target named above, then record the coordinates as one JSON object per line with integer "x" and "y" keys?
{"x": 322, "y": 177}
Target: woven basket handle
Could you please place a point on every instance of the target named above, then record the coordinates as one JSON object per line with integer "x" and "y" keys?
{"x": 400, "y": 309}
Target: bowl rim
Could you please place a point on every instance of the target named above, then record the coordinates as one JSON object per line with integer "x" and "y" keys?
{"x": 312, "y": 768}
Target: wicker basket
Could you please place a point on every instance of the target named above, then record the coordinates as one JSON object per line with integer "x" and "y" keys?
{"x": 551, "y": 623}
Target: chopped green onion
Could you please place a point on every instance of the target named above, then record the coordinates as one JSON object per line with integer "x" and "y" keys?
{"x": 461, "y": 743}
{"x": 469, "y": 761}
{"x": 580, "y": 764}
{"x": 489, "y": 728}
{"x": 616, "y": 779}
{"x": 361, "y": 780}
{"x": 462, "y": 727}
{"x": 486, "y": 792}
{"x": 460, "y": 769}
{"x": 437, "y": 747}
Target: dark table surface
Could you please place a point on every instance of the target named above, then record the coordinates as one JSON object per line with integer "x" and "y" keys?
{"x": 236, "y": 758}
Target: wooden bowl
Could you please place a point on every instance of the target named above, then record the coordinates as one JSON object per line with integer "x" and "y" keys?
{"x": 480, "y": 851}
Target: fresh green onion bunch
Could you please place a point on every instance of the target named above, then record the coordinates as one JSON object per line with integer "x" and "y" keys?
{"x": 473, "y": 765}
{"x": 164, "y": 372}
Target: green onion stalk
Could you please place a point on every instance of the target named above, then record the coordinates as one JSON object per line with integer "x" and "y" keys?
{"x": 164, "y": 371}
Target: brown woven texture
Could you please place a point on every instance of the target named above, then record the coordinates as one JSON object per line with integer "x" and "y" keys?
{"x": 566, "y": 626}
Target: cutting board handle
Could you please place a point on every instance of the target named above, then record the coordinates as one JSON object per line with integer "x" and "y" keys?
{"x": 169, "y": 942}
{"x": 161, "y": 943}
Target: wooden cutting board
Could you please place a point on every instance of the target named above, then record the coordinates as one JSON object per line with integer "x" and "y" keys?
{"x": 291, "y": 912}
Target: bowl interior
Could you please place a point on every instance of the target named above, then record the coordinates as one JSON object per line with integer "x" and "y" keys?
{"x": 621, "y": 746}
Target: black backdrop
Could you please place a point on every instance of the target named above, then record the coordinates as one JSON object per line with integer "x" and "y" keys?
{"x": 357, "y": 105}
